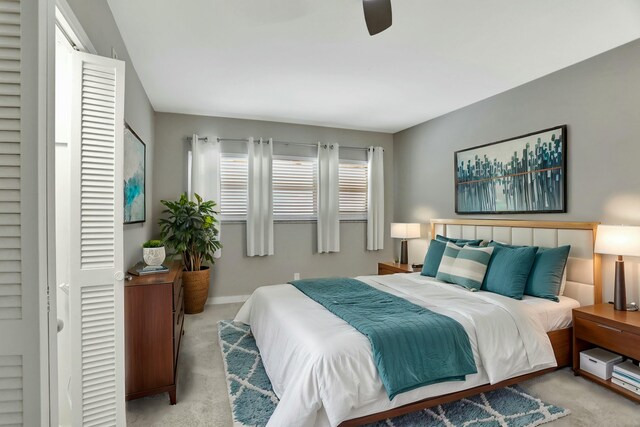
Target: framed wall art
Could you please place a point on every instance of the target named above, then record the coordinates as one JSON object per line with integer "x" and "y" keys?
{"x": 134, "y": 172}
{"x": 525, "y": 174}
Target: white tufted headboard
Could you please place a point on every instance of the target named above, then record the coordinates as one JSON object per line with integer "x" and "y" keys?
{"x": 584, "y": 278}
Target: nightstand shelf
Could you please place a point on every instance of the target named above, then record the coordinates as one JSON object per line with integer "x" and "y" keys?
{"x": 394, "y": 267}
{"x": 611, "y": 385}
{"x": 602, "y": 326}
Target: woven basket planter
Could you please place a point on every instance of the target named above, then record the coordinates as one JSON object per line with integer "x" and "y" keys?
{"x": 196, "y": 290}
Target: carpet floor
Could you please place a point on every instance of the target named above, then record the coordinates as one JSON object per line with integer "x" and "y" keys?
{"x": 203, "y": 401}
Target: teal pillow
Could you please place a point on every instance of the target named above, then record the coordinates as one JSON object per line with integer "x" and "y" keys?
{"x": 459, "y": 242}
{"x": 432, "y": 258}
{"x": 493, "y": 243}
{"x": 464, "y": 266}
{"x": 545, "y": 278}
{"x": 508, "y": 270}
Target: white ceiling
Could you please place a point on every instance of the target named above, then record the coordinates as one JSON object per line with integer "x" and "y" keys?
{"x": 313, "y": 62}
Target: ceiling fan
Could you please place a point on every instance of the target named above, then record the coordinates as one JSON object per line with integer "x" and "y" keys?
{"x": 377, "y": 14}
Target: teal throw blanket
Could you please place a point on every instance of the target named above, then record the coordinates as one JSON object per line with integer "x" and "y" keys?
{"x": 412, "y": 346}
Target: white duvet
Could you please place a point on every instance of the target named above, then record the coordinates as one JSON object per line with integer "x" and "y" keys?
{"x": 323, "y": 371}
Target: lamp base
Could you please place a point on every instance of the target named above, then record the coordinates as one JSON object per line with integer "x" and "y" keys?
{"x": 620, "y": 291}
{"x": 404, "y": 252}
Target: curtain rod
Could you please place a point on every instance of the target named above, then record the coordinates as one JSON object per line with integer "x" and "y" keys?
{"x": 200, "y": 138}
{"x": 305, "y": 144}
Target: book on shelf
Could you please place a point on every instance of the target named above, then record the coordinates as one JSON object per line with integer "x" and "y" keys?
{"x": 626, "y": 385}
{"x": 142, "y": 269}
{"x": 154, "y": 267}
{"x": 626, "y": 379}
{"x": 628, "y": 371}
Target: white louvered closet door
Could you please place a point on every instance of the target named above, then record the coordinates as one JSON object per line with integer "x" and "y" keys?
{"x": 96, "y": 293}
{"x": 19, "y": 239}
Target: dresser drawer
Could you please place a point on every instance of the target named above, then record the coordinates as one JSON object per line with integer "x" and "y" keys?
{"x": 177, "y": 340}
{"x": 607, "y": 336}
{"x": 177, "y": 290}
{"x": 179, "y": 308}
{"x": 177, "y": 330}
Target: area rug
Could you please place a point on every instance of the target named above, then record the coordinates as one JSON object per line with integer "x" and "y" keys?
{"x": 253, "y": 400}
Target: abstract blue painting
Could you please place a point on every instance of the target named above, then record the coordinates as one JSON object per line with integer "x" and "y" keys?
{"x": 525, "y": 174}
{"x": 134, "y": 177}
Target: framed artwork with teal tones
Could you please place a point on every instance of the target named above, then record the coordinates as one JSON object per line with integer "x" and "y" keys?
{"x": 134, "y": 170}
{"x": 522, "y": 175}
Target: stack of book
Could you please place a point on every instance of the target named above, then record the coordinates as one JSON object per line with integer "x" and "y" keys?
{"x": 142, "y": 269}
{"x": 627, "y": 375}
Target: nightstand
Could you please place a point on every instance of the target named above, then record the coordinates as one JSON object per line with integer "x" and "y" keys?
{"x": 602, "y": 326}
{"x": 393, "y": 267}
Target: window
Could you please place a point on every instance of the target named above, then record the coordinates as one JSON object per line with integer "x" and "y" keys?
{"x": 294, "y": 187}
{"x": 353, "y": 189}
{"x": 233, "y": 186}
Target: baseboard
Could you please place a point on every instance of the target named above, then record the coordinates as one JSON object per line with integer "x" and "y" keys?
{"x": 227, "y": 300}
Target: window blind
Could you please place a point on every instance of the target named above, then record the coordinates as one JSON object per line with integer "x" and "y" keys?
{"x": 233, "y": 186}
{"x": 353, "y": 190}
{"x": 294, "y": 187}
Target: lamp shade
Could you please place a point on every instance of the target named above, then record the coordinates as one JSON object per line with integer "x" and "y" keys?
{"x": 618, "y": 240}
{"x": 401, "y": 230}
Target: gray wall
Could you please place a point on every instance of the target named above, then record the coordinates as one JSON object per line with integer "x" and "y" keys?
{"x": 599, "y": 100}
{"x": 295, "y": 243}
{"x": 97, "y": 21}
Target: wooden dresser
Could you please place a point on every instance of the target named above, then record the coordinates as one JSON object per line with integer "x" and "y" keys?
{"x": 154, "y": 318}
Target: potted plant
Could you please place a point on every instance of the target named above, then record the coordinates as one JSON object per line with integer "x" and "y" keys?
{"x": 153, "y": 252}
{"x": 190, "y": 230}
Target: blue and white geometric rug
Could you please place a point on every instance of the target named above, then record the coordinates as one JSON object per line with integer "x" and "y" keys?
{"x": 253, "y": 400}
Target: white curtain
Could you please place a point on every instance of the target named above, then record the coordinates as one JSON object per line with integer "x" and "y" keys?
{"x": 328, "y": 198}
{"x": 260, "y": 198}
{"x": 204, "y": 178}
{"x": 375, "y": 197}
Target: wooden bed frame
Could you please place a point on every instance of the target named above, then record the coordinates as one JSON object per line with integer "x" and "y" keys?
{"x": 561, "y": 340}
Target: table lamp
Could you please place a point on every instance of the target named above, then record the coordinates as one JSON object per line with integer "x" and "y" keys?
{"x": 404, "y": 231}
{"x": 618, "y": 240}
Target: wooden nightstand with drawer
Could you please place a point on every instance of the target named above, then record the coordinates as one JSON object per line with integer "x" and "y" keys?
{"x": 393, "y": 268}
{"x": 601, "y": 326}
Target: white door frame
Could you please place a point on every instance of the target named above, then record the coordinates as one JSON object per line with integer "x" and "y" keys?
{"x": 70, "y": 24}
{"x": 46, "y": 199}
{"x": 51, "y": 12}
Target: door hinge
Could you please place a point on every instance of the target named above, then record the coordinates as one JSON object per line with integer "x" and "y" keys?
{"x": 48, "y": 299}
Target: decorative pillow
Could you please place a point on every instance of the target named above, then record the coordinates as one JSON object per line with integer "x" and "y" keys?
{"x": 508, "y": 270}
{"x": 464, "y": 266}
{"x": 432, "y": 258}
{"x": 545, "y": 279}
{"x": 446, "y": 263}
{"x": 495, "y": 243}
{"x": 563, "y": 282}
{"x": 459, "y": 242}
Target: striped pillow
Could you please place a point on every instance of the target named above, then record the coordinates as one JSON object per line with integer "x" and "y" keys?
{"x": 464, "y": 266}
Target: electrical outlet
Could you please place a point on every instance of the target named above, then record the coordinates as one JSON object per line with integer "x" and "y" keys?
{"x": 296, "y": 276}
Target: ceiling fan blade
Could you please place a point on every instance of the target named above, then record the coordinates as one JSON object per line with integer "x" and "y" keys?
{"x": 377, "y": 14}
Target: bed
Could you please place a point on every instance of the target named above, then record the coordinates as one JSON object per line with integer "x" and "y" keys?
{"x": 326, "y": 375}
